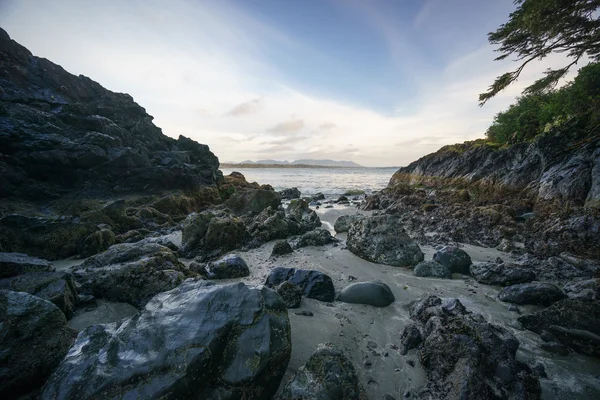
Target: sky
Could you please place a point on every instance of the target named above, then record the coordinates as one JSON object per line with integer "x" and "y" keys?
{"x": 378, "y": 82}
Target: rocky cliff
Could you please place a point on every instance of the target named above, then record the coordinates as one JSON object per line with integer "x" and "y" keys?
{"x": 559, "y": 166}
{"x": 61, "y": 133}
{"x": 541, "y": 197}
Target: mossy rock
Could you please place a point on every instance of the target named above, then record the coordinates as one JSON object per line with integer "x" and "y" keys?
{"x": 98, "y": 242}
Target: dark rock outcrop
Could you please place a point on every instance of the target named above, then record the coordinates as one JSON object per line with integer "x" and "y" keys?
{"x": 230, "y": 266}
{"x": 253, "y": 201}
{"x": 455, "y": 259}
{"x": 376, "y": 294}
{"x": 382, "y": 239}
{"x": 327, "y": 375}
{"x": 211, "y": 233}
{"x": 290, "y": 193}
{"x": 56, "y": 287}
{"x": 314, "y": 284}
{"x": 342, "y": 224}
{"x": 317, "y": 237}
{"x": 62, "y": 133}
{"x": 130, "y": 273}
{"x": 539, "y": 293}
{"x": 464, "y": 356}
{"x": 501, "y": 274}
{"x": 299, "y": 211}
{"x": 432, "y": 269}
{"x": 199, "y": 340}
{"x": 35, "y": 338}
{"x": 12, "y": 264}
{"x": 574, "y": 322}
{"x": 280, "y": 248}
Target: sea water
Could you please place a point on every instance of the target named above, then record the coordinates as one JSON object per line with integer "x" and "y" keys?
{"x": 329, "y": 181}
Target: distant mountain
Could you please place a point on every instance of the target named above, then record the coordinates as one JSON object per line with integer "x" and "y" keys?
{"x": 327, "y": 163}
{"x": 318, "y": 163}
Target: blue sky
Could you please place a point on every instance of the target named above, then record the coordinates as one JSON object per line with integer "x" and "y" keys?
{"x": 380, "y": 82}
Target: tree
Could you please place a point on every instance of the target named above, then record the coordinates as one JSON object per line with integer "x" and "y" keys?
{"x": 538, "y": 28}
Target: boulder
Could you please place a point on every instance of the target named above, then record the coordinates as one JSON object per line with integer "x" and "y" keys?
{"x": 199, "y": 340}
{"x": 281, "y": 248}
{"x": 12, "y": 264}
{"x": 342, "y": 199}
{"x": 574, "y": 322}
{"x": 271, "y": 224}
{"x": 48, "y": 238}
{"x": 539, "y": 293}
{"x": 35, "y": 338}
{"x": 457, "y": 260}
{"x": 327, "y": 375}
{"x": 317, "y": 197}
{"x": 317, "y": 237}
{"x": 130, "y": 273}
{"x": 56, "y": 287}
{"x": 97, "y": 242}
{"x": 299, "y": 211}
{"x": 432, "y": 269}
{"x": 314, "y": 284}
{"x": 290, "y": 293}
{"x": 376, "y": 294}
{"x": 342, "y": 224}
{"x": 229, "y": 266}
{"x": 290, "y": 194}
{"x": 501, "y": 274}
{"x": 382, "y": 239}
{"x": 253, "y": 201}
{"x": 210, "y": 234}
{"x": 464, "y": 356}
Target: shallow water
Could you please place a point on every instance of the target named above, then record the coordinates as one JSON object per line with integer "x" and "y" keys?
{"x": 329, "y": 181}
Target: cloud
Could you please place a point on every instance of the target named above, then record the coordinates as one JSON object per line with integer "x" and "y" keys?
{"x": 287, "y": 127}
{"x": 249, "y": 107}
{"x": 326, "y": 126}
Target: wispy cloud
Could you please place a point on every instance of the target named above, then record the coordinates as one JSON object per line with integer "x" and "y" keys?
{"x": 325, "y": 126}
{"x": 249, "y": 107}
{"x": 291, "y": 126}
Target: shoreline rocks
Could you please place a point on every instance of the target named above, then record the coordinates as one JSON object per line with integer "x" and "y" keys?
{"x": 376, "y": 294}
{"x": 314, "y": 284}
{"x": 198, "y": 340}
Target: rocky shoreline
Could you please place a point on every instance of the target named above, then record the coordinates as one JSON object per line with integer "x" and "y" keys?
{"x": 131, "y": 267}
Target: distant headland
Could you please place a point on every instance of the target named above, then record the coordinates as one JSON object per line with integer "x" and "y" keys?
{"x": 306, "y": 163}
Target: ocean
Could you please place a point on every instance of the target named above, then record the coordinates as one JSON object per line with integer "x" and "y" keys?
{"x": 329, "y": 181}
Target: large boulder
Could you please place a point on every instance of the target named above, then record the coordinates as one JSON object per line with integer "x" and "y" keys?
{"x": 210, "y": 234}
{"x": 229, "y": 266}
{"x": 200, "y": 340}
{"x": 56, "y": 287}
{"x": 575, "y": 322}
{"x": 35, "y": 338}
{"x": 539, "y": 293}
{"x": 271, "y": 224}
{"x": 587, "y": 289}
{"x": 432, "y": 269}
{"x": 314, "y": 284}
{"x": 12, "y": 264}
{"x": 253, "y": 201}
{"x": 130, "y": 273}
{"x": 464, "y": 356}
{"x": 299, "y": 211}
{"x": 457, "y": 260}
{"x": 501, "y": 274}
{"x": 327, "y": 375}
{"x": 376, "y": 294}
{"x": 382, "y": 239}
{"x": 343, "y": 223}
{"x": 317, "y": 237}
